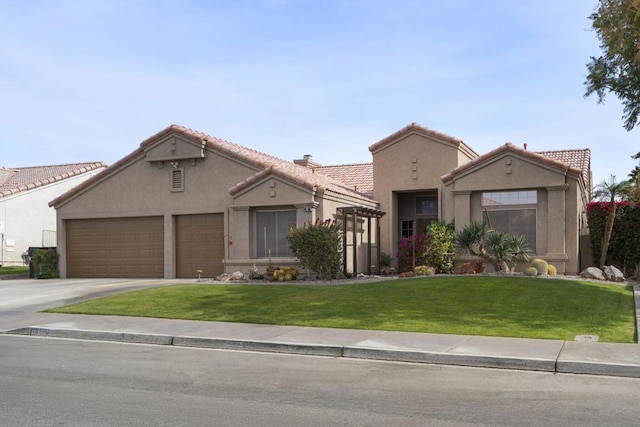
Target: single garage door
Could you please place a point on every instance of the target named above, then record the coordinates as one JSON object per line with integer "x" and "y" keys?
{"x": 115, "y": 247}
{"x": 199, "y": 245}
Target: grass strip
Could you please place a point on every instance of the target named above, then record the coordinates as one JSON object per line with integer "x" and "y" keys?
{"x": 14, "y": 269}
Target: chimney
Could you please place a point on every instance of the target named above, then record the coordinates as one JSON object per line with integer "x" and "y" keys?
{"x": 307, "y": 162}
{"x": 525, "y": 145}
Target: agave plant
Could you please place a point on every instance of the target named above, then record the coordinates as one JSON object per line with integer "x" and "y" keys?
{"x": 502, "y": 250}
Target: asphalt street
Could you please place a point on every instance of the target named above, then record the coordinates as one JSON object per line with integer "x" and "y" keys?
{"x": 48, "y": 382}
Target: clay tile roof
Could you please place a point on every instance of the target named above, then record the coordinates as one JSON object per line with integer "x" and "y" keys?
{"x": 16, "y": 180}
{"x": 261, "y": 161}
{"x": 358, "y": 176}
{"x": 522, "y": 152}
{"x": 577, "y": 158}
{"x": 415, "y": 127}
{"x": 284, "y": 168}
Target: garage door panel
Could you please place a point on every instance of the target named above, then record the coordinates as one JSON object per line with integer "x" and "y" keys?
{"x": 115, "y": 247}
{"x": 199, "y": 245}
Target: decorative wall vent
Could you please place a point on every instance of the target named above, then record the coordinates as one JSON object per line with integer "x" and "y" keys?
{"x": 177, "y": 179}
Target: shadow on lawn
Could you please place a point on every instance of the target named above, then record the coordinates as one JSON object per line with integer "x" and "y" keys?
{"x": 526, "y": 307}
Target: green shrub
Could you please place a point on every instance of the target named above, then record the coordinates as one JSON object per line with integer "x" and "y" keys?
{"x": 45, "y": 263}
{"x": 541, "y": 265}
{"x": 531, "y": 271}
{"x": 439, "y": 243}
{"x": 318, "y": 247}
{"x": 385, "y": 260}
{"x": 552, "y": 271}
{"x": 255, "y": 274}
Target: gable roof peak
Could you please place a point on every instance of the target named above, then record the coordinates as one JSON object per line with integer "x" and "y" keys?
{"x": 508, "y": 147}
{"x": 415, "y": 127}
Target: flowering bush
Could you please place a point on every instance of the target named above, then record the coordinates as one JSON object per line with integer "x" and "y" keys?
{"x": 406, "y": 252}
{"x": 431, "y": 249}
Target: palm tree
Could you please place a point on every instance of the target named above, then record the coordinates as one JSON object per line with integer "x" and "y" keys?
{"x": 609, "y": 190}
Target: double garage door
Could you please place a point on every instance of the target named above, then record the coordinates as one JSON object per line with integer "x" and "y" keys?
{"x": 134, "y": 247}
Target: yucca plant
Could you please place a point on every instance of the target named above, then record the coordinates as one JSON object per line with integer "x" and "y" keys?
{"x": 502, "y": 250}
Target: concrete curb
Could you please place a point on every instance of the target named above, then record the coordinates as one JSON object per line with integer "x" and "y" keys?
{"x": 558, "y": 364}
{"x": 437, "y": 358}
{"x": 124, "y": 337}
{"x": 598, "y": 368}
{"x": 636, "y": 300}
{"x": 260, "y": 346}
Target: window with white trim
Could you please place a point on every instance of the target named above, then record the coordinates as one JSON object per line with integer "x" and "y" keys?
{"x": 513, "y": 212}
{"x": 272, "y": 227}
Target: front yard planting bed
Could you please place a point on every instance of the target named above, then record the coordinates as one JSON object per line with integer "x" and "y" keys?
{"x": 468, "y": 305}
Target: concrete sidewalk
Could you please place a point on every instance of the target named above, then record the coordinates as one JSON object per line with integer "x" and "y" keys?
{"x": 490, "y": 352}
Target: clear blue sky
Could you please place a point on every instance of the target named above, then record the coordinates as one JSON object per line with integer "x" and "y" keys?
{"x": 89, "y": 80}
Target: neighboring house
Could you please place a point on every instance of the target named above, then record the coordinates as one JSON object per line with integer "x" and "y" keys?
{"x": 184, "y": 201}
{"x": 25, "y": 217}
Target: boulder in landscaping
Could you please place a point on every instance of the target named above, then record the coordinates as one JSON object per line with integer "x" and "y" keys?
{"x": 592, "y": 273}
{"x": 613, "y": 274}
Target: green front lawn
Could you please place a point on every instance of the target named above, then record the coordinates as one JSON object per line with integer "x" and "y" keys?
{"x": 467, "y": 305}
{"x": 14, "y": 269}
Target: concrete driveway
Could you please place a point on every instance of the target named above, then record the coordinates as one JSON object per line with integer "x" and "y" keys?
{"x": 21, "y": 300}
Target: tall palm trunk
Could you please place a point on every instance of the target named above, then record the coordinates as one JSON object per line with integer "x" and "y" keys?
{"x": 608, "y": 231}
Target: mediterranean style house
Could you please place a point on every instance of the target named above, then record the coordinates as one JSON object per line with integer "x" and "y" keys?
{"x": 185, "y": 203}
{"x": 25, "y": 217}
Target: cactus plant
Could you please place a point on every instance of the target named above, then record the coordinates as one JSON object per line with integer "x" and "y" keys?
{"x": 285, "y": 274}
{"x": 540, "y": 265}
{"x": 552, "y": 271}
{"x": 531, "y": 271}
{"x": 424, "y": 270}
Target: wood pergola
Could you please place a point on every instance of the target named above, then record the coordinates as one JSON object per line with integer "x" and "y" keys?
{"x": 354, "y": 214}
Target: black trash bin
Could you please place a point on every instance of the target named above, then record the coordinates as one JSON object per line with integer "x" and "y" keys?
{"x": 30, "y": 252}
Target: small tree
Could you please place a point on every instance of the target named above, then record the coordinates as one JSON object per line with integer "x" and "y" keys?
{"x": 499, "y": 249}
{"x": 609, "y": 189}
{"x": 318, "y": 247}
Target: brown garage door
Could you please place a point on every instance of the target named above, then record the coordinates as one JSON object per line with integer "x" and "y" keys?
{"x": 199, "y": 245}
{"x": 115, "y": 247}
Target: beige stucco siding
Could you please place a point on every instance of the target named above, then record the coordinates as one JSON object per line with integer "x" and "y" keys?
{"x": 143, "y": 187}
